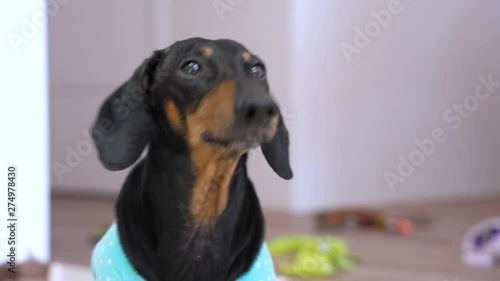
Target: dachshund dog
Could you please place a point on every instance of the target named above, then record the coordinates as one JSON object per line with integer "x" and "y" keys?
{"x": 188, "y": 211}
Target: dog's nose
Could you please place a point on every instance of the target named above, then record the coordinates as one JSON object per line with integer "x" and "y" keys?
{"x": 258, "y": 111}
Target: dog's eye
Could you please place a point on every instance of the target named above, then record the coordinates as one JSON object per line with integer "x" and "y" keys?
{"x": 191, "y": 68}
{"x": 257, "y": 71}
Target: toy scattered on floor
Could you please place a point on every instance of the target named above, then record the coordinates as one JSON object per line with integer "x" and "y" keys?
{"x": 368, "y": 218}
{"x": 312, "y": 257}
{"x": 481, "y": 244}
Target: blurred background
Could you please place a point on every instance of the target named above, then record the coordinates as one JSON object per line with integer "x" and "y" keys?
{"x": 392, "y": 107}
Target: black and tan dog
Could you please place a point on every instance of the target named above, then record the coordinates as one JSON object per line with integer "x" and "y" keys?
{"x": 188, "y": 211}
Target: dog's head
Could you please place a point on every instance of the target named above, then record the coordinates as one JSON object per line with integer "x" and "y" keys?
{"x": 204, "y": 92}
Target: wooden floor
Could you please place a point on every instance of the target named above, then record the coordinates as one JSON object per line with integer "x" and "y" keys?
{"x": 430, "y": 254}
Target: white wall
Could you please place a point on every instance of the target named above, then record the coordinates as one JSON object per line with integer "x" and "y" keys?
{"x": 24, "y": 125}
{"x": 355, "y": 119}
{"x": 94, "y": 47}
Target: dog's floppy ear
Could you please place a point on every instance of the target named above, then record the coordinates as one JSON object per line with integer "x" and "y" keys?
{"x": 124, "y": 123}
{"x": 276, "y": 151}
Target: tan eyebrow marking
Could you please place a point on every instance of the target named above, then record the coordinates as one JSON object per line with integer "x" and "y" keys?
{"x": 246, "y": 56}
{"x": 207, "y": 51}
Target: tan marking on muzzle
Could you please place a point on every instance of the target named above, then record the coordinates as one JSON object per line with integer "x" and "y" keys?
{"x": 214, "y": 115}
{"x": 274, "y": 126}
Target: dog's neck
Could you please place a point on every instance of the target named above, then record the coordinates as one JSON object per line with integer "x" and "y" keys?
{"x": 210, "y": 170}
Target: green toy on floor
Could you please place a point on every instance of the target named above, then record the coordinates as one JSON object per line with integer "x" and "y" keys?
{"x": 313, "y": 257}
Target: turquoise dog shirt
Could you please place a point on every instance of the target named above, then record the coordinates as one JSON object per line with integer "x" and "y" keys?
{"x": 109, "y": 262}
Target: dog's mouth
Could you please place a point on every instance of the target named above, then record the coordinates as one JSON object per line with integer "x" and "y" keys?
{"x": 240, "y": 140}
